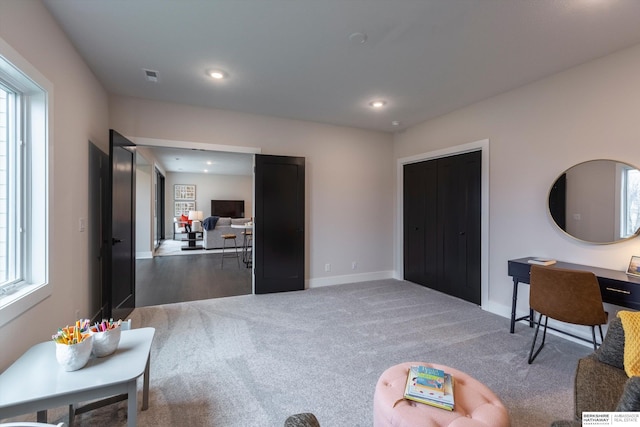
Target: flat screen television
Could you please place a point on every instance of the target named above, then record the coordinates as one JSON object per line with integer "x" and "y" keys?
{"x": 227, "y": 208}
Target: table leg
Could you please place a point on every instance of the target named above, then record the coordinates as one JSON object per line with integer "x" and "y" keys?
{"x": 72, "y": 414}
{"x": 145, "y": 386}
{"x": 132, "y": 404}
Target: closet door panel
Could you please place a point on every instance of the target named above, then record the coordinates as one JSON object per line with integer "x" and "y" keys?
{"x": 413, "y": 213}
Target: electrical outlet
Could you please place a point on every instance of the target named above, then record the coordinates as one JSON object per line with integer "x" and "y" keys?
{"x": 77, "y": 314}
{"x": 354, "y": 265}
{"x": 82, "y": 225}
{"x": 327, "y": 267}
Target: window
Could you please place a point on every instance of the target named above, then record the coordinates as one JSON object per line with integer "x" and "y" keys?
{"x": 23, "y": 185}
{"x": 630, "y": 220}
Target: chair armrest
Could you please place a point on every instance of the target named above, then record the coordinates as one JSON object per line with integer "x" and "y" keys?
{"x": 598, "y": 386}
{"x": 630, "y": 399}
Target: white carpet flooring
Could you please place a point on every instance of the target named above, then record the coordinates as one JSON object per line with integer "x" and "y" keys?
{"x": 253, "y": 360}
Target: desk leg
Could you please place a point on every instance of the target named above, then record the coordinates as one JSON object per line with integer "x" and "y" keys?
{"x": 531, "y": 318}
{"x": 132, "y": 403}
{"x": 145, "y": 385}
{"x": 514, "y": 302}
{"x": 42, "y": 416}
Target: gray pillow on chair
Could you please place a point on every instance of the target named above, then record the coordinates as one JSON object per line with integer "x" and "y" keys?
{"x": 630, "y": 399}
{"x": 611, "y": 351}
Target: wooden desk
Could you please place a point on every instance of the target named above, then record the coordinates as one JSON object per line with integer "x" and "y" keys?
{"x": 616, "y": 287}
{"x": 35, "y": 382}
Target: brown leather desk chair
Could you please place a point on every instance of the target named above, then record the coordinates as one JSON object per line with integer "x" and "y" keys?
{"x": 569, "y": 296}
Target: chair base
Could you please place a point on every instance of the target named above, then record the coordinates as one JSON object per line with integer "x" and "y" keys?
{"x": 533, "y": 355}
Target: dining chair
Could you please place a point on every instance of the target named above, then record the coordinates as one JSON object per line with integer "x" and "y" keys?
{"x": 569, "y": 296}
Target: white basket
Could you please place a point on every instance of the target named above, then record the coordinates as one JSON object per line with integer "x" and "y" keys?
{"x": 74, "y": 356}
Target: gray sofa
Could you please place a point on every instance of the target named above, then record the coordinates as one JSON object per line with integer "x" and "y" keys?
{"x": 212, "y": 239}
{"x": 601, "y": 383}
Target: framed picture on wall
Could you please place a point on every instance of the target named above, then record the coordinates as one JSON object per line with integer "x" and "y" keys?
{"x": 634, "y": 266}
{"x": 183, "y": 208}
{"x": 184, "y": 192}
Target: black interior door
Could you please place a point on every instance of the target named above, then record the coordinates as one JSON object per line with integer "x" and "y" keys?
{"x": 279, "y": 224}
{"x": 442, "y": 224}
{"x": 121, "y": 291}
{"x": 98, "y": 204}
{"x": 558, "y": 201}
{"x": 159, "y": 210}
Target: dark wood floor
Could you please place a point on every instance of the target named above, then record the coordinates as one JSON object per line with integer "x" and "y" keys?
{"x": 169, "y": 279}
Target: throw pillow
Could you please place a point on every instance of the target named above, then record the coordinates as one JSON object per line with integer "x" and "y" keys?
{"x": 631, "y": 326}
{"x": 185, "y": 218}
{"x": 630, "y": 399}
{"x": 611, "y": 351}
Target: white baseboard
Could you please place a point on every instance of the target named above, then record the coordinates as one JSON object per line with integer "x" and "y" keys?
{"x": 348, "y": 278}
{"x": 144, "y": 255}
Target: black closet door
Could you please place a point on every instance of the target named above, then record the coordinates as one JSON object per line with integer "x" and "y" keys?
{"x": 442, "y": 217}
{"x": 420, "y": 185}
{"x": 459, "y": 224}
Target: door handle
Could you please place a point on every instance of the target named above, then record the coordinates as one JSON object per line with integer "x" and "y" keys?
{"x": 462, "y": 233}
{"x": 114, "y": 241}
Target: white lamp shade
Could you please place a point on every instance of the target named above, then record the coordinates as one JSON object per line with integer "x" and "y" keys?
{"x": 196, "y": 215}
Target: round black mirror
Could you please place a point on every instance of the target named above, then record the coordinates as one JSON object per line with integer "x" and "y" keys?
{"x": 597, "y": 201}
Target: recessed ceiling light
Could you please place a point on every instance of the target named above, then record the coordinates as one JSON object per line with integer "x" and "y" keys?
{"x": 217, "y": 74}
{"x": 358, "y": 38}
{"x": 395, "y": 123}
{"x": 379, "y": 103}
{"x": 205, "y": 171}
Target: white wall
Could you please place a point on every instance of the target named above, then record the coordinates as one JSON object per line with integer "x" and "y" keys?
{"x": 349, "y": 177}
{"x": 144, "y": 207}
{"x": 80, "y": 114}
{"x": 535, "y": 133}
{"x": 209, "y": 187}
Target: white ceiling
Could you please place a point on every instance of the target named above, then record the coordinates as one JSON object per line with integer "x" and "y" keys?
{"x": 199, "y": 161}
{"x": 295, "y": 59}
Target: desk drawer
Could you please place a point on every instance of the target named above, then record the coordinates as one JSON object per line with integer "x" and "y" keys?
{"x": 618, "y": 293}
{"x": 519, "y": 271}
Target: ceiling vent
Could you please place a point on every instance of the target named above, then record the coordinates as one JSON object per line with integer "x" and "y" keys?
{"x": 151, "y": 75}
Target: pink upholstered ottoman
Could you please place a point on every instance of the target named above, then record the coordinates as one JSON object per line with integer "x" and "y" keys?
{"x": 475, "y": 404}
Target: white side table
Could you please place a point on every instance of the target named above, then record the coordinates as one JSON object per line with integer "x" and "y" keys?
{"x": 35, "y": 382}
